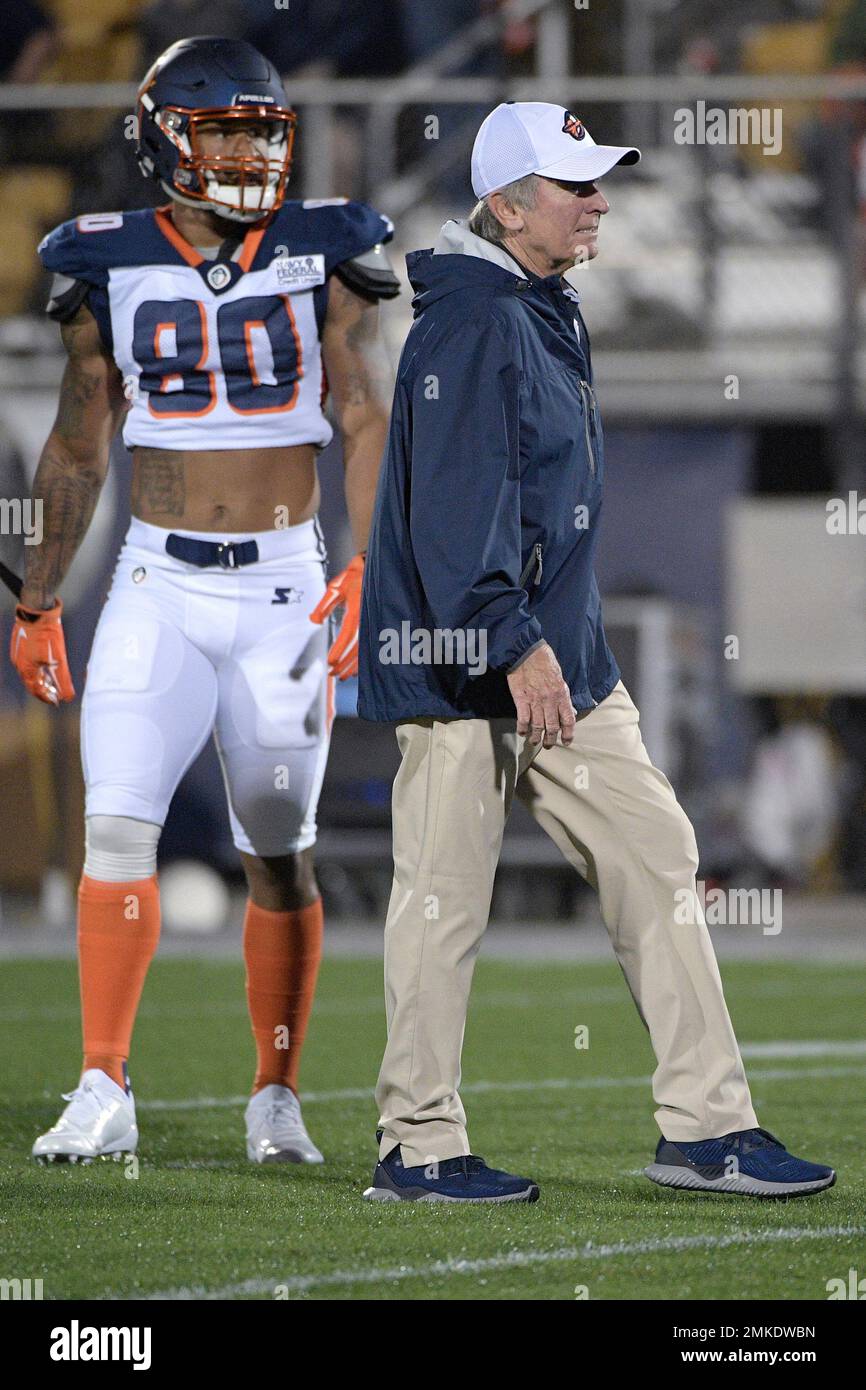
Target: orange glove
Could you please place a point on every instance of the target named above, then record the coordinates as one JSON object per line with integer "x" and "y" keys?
{"x": 345, "y": 590}
{"x": 38, "y": 653}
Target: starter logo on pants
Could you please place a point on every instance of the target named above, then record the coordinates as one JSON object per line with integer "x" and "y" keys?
{"x": 288, "y": 595}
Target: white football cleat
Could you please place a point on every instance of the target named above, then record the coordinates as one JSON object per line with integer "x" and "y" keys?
{"x": 98, "y": 1122}
{"x": 275, "y": 1129}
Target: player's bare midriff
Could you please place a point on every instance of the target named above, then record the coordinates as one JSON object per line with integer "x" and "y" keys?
{"x": 231, "y": 490}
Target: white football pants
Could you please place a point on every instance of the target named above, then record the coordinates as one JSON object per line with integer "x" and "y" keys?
{"x": 182, "y": 652}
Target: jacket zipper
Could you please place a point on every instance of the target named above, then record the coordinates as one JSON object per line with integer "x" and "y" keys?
{"x": 585, "y": 395}
{"x": 534, "y": 559}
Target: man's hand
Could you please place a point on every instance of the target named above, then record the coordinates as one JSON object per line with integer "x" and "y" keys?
{"x": 38, "y": 653}
{"x": 543, "y": 700}
{"x": 344, "y": 590}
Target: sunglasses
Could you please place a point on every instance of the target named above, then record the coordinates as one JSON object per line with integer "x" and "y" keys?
{"x": 580, "y": 190}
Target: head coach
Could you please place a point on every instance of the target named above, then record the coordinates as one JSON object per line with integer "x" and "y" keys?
{"x": 481, "y": 636}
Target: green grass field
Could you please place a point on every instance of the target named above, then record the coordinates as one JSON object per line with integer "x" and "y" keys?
{"x": 199, "y": 1219}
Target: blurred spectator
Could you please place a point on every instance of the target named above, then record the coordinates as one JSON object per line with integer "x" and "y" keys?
{"x": 704, "y": 36}
{"x": 428, "y": 27}
{"x": 792, "y": 803}
{"x": 339, "y": 38}
{"x": 840, "y": 126}
{"x": 847, "y": 718}
{"x": 30, "y": 43}
{"x": 848, "y": 55}
{"x": 428, "y": 30}
{"x": 849, "y": 39}
{"x": 166, "y": 21}
{"x": 296, "y": 39}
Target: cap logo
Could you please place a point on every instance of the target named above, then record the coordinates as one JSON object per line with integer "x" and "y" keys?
{"x": 573, "y": 127}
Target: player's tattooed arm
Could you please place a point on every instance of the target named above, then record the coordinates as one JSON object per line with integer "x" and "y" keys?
{"x": 74, "y": 460}
{"x": 361, "y": 380}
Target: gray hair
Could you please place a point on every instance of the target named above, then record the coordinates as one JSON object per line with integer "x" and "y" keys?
{"x": 522, "y": 193}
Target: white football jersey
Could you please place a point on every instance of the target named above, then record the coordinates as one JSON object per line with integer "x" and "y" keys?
{"x": 216, "y": 354}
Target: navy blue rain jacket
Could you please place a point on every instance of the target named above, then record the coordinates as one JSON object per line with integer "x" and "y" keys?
{"x": 489, "y": 495}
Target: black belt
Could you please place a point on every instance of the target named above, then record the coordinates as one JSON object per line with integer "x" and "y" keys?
{"x": 228, "y": 554}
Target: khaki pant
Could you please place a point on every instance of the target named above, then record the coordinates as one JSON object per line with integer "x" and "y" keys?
{"x": 616, "y": 819}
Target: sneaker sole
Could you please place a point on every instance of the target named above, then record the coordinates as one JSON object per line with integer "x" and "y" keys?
{"x": 285, "y": 1155}
{"x": 421, "y": 1194}
{"x": 668, "y": 1176}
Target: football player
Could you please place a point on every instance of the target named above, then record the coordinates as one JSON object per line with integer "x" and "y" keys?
{"x": 214, "y": 327}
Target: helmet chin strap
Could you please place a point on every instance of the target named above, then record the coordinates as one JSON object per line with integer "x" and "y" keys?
{"x": 221, "y": 210}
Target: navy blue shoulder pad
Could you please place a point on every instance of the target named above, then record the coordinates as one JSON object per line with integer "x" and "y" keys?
{"x": 86, "y": 248}
{"x": 333, "y": 227}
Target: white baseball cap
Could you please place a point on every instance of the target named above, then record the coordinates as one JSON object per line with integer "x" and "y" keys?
{"x": 535, "y": 137}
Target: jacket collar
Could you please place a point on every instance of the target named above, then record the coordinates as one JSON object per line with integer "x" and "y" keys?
{"x": 455, "y": 239}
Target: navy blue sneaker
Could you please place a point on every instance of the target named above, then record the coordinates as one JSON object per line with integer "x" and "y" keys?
{"x": 752, "y": 1163}
{"x": 466, "y": 1179}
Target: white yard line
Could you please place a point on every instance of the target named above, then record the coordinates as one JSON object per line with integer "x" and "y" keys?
{"x": 514, "y": 1259}
{"x": 805, "y": 1049}
{"x": 558, "y": 1083}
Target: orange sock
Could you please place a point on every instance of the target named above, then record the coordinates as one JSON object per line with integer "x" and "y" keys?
{"x": 282, "y": 951}
{"x": 118, "y": 928}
